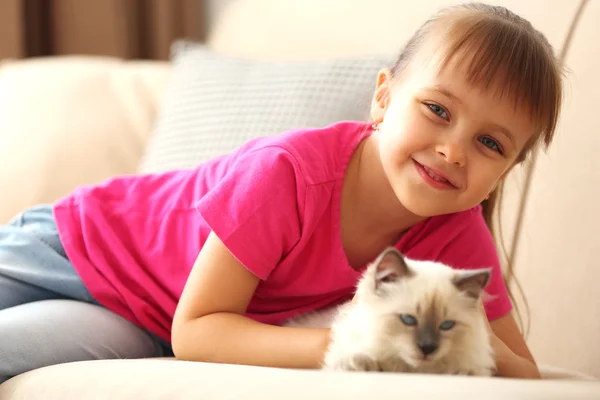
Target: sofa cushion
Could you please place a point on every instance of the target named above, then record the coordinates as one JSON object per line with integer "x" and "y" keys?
{"x": 69, "y": 121}
{"x": 178, "y": 380}
{"x": 215, "y": 103}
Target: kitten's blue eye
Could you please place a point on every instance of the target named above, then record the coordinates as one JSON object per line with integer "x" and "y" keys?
{"x": 408, "y": 319}
{"x": 437, "y": 110}
{"x": 447, "y": 325}
{"x": 490, "y": 143}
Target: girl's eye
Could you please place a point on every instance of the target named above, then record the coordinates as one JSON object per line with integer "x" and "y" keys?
{"x": 447, "y": 325}
{"x": 490, "y": 143}
{"x": 408, "y": 319}
{"x": 438, "y": 110}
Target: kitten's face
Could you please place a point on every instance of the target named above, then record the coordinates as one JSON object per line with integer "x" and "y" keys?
{"x": 423, "y": 311}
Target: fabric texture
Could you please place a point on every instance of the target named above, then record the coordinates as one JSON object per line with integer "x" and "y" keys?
{"x": 41, "y": 324}
{"x": 215, "y": 103}
{"x": 274, "y": 202}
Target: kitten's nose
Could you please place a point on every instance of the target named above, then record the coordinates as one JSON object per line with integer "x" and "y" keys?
{"x": 428, "y": 348}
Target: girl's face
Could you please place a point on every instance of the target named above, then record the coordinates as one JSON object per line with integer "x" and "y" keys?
{"x": 444, "y": 144}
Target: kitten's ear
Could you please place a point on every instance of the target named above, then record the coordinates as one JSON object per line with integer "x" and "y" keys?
{"x": 472, "y": 282}
{"x": 390, "y": 267}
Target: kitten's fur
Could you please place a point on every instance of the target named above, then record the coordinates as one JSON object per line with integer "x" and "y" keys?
{"x": 369, "y": 335}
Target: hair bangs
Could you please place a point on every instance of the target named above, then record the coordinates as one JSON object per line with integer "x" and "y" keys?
{"x": 502, "y": 56}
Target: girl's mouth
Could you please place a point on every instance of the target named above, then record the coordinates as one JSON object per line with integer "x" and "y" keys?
{"x": 434, "y": 178}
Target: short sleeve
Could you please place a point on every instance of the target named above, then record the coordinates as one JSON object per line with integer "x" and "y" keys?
{"x": 255, "y": 208}
{"x": 472, "y": 247}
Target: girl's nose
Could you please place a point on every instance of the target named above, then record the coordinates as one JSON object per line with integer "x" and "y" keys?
{"x": 452, "y": 153}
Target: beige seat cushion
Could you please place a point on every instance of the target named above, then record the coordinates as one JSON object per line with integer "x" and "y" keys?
{"x": 175, "y": 380}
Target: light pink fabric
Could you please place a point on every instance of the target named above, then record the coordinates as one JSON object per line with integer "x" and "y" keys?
{"x": 275, "y": 203}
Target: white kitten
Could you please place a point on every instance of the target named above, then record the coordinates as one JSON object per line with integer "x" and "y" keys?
{"x": 409, "y": 316}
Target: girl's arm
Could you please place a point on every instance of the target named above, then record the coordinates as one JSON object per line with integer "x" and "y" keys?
{"x": 209, "y": 323}
{"x": 513, "y": 358}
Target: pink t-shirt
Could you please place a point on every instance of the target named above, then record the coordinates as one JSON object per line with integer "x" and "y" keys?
{"x": 274, "y": 202}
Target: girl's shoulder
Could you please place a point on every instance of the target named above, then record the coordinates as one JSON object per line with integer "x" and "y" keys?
{"x": 458, "y": 234}
{"x": 321, "y": 153}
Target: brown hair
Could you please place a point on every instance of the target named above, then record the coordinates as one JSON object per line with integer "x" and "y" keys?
{"x": 507, "y": 53}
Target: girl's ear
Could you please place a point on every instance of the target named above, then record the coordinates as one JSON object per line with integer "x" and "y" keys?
{"x": 381, "y": 97}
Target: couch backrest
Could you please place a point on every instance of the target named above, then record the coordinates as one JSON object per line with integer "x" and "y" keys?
{"x": 73, "y": 120}
{"x": 555, "y": 252}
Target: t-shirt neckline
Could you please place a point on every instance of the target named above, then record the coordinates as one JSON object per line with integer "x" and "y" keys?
{"x": 364, "y": 130}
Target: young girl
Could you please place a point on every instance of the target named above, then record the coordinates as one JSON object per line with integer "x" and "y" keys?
{"x": 212, "y": 260}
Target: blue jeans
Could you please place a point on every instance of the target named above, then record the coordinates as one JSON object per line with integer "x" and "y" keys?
{"x": 47, "y": 316}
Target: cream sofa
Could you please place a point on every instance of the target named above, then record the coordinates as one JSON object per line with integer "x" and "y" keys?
{"x": 77, "y": 120}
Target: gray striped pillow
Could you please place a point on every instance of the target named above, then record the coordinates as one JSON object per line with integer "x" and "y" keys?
{"x": 214, "y": 103}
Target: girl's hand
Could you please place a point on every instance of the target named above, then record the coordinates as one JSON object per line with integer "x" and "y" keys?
{"x": 508, "y": 363}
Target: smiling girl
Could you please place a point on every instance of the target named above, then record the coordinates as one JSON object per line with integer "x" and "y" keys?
{"x": 212, "y": 260}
